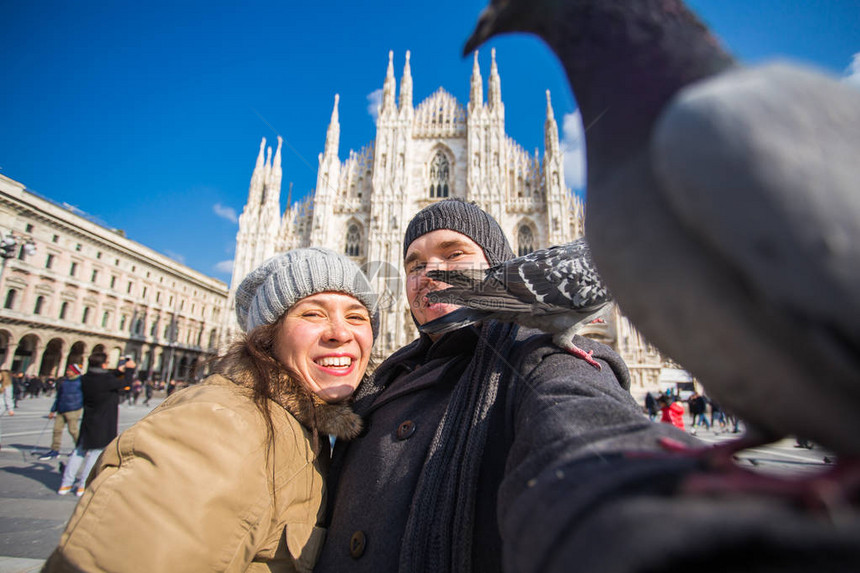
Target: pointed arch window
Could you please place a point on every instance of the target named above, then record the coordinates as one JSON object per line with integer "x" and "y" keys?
{"x": 525, "y": 240}
{"x": 353, "y": 241}
{"x": 440, "y": 171}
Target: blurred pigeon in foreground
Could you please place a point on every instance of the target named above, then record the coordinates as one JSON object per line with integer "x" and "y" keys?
{"x": 723, "y": 206}
{"x": 555, "y": 290}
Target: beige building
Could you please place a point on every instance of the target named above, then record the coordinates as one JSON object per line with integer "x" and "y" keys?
{"x": 421, "y": 154}
{"x": 71, "y": 287}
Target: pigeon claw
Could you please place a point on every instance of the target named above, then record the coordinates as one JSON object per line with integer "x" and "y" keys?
{"x": 580, "y": 353}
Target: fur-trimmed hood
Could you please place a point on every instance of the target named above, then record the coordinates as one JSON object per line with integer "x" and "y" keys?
{"x": 338, "y": 419}
{"x": 313, "y": 412}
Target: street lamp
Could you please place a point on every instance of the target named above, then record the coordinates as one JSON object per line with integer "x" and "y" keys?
{"x": 9, "y": 246}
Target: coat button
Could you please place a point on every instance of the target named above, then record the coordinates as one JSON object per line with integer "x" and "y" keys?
{"x": 357, "y": 544}
{"x": 405, "y": 430}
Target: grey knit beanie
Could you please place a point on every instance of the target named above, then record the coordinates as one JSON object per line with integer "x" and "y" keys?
{"x": 463, "y": 217}
{"x": 280, "y": 282}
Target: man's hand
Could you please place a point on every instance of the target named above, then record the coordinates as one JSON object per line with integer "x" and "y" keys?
{"x": 52, "y": 415}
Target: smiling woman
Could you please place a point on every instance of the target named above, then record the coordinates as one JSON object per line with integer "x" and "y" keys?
{"x": 228, "y": 475}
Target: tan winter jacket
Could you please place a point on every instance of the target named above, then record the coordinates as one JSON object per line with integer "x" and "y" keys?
{"x": 191, "y": 487}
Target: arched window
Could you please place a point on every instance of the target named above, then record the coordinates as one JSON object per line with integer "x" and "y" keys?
{"x": 105, "y": 318}
{"x": 525, "y": 240}
{"x": 353, "y": 241}
{"x": 40, "y": 302}
{"x": 10, "y": 298}
{"x": 439, "y": 174}
{"x": 86, "y": 314}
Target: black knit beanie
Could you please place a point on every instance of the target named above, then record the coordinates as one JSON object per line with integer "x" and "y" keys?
{"x": 463, "y": 217}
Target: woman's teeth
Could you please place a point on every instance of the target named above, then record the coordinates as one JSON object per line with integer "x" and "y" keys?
{"x": 335, "y": 361}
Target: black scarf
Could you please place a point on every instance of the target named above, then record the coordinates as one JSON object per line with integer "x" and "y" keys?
{"x": 441, "y": 522}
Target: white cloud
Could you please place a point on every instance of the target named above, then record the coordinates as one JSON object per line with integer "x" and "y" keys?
{"x": 225, "y": 267}
{"x": 374, "y": 101}
{"x": 852, "y": 74}
{"x": 573, "y": 148}
{"x": 225, "y": 212}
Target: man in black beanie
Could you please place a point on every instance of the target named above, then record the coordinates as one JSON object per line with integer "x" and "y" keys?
{"x": 491, "y": 449}
{"x": 451, "y": 419}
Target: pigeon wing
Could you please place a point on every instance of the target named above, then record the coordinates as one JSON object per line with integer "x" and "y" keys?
{"x": 463, "y": 278}
{"x": 561, "y": 277}
{"x": 490, "y": 301}
{"x": 763, "y": 166}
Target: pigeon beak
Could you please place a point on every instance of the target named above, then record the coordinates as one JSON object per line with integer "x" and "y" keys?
{"x": 483, "y": 31}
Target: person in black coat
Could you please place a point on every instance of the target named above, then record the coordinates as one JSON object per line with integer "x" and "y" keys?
{"x": 100, "y": 388}
{"x": 457, "y": 423}
{"x": 491, "y": 449}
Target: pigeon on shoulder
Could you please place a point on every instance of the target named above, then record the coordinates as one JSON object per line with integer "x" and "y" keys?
{"x": 555, "y": 290}
{"x": 723, "y": 205}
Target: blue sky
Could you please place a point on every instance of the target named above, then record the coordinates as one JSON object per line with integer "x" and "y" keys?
{"x": 148, "y": 116}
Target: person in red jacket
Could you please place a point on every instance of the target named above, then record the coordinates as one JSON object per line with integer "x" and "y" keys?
{"x": 673, "y": 412}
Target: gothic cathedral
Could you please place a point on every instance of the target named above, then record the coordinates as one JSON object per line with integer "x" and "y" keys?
{"x": 421, "y": 154}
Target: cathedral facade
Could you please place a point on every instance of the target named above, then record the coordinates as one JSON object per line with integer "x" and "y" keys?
{"x": 421, "y": 154}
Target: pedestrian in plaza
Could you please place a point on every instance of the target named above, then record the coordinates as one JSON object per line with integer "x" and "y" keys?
{"x": 698, "y": 406}
{"x": 136, "y": 387}
{"x": 717, "y": 415}
{"x": 228, "y": 474}
{"x": 66, "y": 410}
{"x": 19, "y": 385}
{"x": 7, "y": 387}
{"x": 672, "y": 412}
{"x": 100, "y": 388}
{"x": 651, "y": 407}
{"x": 34, "y": 386}
{"x": 49, "y": 386}
{"x": 147, "y": 392}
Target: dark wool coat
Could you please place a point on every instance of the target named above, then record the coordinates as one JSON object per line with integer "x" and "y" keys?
{"x": 101, "y": 406}
{"x": 555, "y": 400}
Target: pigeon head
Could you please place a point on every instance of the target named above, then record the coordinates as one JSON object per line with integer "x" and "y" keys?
{"x": 562, "y": 23}
{"x": 625, "y": 59}
{"x": 504, "y": 16}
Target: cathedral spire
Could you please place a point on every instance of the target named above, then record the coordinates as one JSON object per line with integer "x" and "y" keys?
{"x": 476, "y": 93}
{"x": 332, "y": 136}
{"x": 406, "y": 85}
{"x": 389, "y": 87}
{"x": 273, "y": 184}
{"x": 255, "y": 190}
{"x": 550, "y": 129}
{"x": 494, "y": 85}
{"x": 267, "y": 170}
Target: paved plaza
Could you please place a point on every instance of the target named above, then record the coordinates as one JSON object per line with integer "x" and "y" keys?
{"x": 32, "y": 515}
